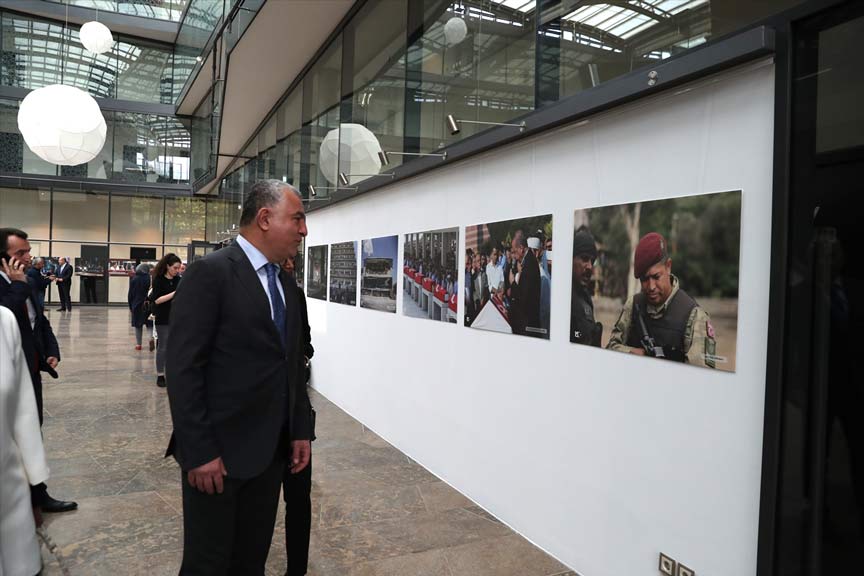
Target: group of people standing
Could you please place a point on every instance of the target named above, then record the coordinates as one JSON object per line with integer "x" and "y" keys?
{"x": 61, "y": 276}
{"x": 151, "y": 292}
{"x": 28, "y": 347}
{"x": 517, "y": 278}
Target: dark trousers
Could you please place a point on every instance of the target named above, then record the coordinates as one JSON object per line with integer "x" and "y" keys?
{"x": 63, "y": 288}
{"x": 297, "y": 492}
{"x": 230, "y": 533}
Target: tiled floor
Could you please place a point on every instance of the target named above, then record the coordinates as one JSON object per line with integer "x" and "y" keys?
{"x": 375, "y": 512}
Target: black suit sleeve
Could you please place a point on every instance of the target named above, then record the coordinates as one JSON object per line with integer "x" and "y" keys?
{"x": 194, "y": 323}
{"x": 308, "y": 349}
{"x": 49, "y": 341}
{"x": 14, "y": 295}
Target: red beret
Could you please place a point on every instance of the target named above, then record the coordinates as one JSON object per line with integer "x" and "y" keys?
{"x": 650, "y": 250}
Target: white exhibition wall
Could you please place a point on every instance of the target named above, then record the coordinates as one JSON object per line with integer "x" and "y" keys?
{"x": 603, "y": 460}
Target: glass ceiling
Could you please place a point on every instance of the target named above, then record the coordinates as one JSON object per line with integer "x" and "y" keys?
{"x": 43, "y": 54}
{"x": 170, "y": 10}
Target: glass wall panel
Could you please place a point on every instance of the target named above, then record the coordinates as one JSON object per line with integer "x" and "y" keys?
{"x": 374, "y": 84}
{"x": 150, "y": 148}
{"x": 90, "y": 262}
{"x": 321, "y": 95}
{"x": 289, "y": 120}
{"x": 185, "y": 220}
{"x": 15, "y": 156}
{"x": 223, "y": 216}
{"x": 201, "y": 135}
{"x": 474, "y": 60}
{"x": 598, "y": 42}
{"x": 37, "y": 53}
{"x": 137, "y": 219}
{"x": 145, "y": 72}
{"x": 80, "y": 216}
{"x": 26, "y": 209}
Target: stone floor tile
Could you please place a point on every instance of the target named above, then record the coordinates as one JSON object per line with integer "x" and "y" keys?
{"x": 375, "y": 512}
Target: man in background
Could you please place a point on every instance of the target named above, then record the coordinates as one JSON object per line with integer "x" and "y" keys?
{"x": 38, "y": 282}
{"x": 297, "y": 488}
{"x": 64, "y": 284}
{"x": 37, "y": 338}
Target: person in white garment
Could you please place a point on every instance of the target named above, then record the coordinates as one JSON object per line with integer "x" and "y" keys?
{"x": 22, "y": 456}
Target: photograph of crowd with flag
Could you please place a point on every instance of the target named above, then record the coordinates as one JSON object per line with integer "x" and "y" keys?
{"x": 378, "y": 277}
{"x": 343, "y": 273}
{"x": 430, "y": 275}
{"x": 508, "y": 276}
{"x": 659, "y": 279}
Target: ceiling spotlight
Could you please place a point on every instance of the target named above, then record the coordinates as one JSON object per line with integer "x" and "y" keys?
{"x": 344, "y": 178}
{"x": 456, "y": 125}
{"x": 384, "y": 156}
{"x": 313, "y": 190}
{"x": 198, "y": 58}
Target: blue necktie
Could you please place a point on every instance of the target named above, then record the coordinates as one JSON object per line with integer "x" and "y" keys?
{"x": 276, "y": 301}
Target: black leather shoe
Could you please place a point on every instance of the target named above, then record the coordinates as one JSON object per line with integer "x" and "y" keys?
{"x": 52, "y": 505}
{"x": 160, "y": 381}
{"x": 61, "y": 309}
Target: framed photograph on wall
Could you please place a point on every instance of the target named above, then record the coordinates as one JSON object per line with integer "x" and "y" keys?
{"x": 317, "y": 281}
{"x": 299, "y": 265}
{"x": 508, "y": 276}
{"x": 659, "y": 278}
{"x": 378, "y": 276}
{"x": 343, "y": 273}
{"x": 430, "y": 275}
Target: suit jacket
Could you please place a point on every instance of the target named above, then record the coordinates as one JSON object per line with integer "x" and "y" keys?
{"x": 38, "y": 342}
{"x": 139, "y": 285}
{"x": 230, "y": 379}
{"x": 525, "y": 295}
{"x": 37, "y": 282}
{"x": 65, "y": 272}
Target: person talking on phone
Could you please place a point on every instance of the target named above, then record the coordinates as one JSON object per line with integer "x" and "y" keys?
{"x": 37, "y": 338}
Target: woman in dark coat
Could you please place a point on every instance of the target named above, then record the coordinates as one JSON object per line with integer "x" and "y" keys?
{"x": 139, "y": 286}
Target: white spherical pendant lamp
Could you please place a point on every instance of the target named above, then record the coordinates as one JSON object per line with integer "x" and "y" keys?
{"x": 96, "y": 37}
{"x": 455, "y": 31}
{"x": 352, "y": 149}
{"x": 62, "y": 125}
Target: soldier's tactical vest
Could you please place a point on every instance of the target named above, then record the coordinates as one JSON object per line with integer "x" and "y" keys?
{"x": 668, "y": 331}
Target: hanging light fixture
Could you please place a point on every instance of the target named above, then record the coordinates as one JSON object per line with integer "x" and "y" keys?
{"x": 96, "y": 37}
{"x": 62, "y": 125}
{"x": 455, "y": 31}
{"x": 352, "y": 146}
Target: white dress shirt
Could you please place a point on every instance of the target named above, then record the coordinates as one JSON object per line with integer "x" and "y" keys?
{"x": 259, "y": 261}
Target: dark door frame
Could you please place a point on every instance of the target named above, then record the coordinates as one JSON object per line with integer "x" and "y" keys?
{"x": 785, "y": 26}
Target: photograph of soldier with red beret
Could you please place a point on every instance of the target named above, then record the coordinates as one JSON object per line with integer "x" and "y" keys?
{"x": 659, "y": 279}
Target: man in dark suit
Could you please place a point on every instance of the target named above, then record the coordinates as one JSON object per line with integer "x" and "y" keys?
{"x": 38, "y": 282}
{"x": 64, "y": 284}
{"x": 297, "y": 488}
{"x": 235, "y": 384}
{"x": 37, "y": 338}
{"x": 525, "y": 290}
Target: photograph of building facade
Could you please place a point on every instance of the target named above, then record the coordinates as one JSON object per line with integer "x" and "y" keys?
{"x": 343, "y": 273}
